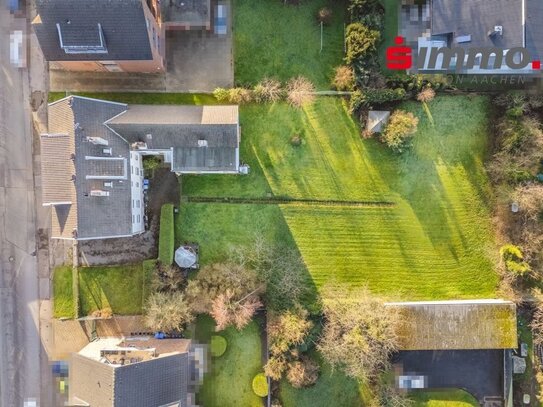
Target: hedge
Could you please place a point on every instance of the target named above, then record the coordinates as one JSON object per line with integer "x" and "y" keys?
{"x": 218, "y": 345}
{"x": 166, "y": 239}
{"x": 260, "y": 385}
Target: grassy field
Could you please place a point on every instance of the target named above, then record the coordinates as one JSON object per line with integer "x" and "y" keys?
{"x": 287, "y": 42}
{"x": 228, "y": 384}
{"x": 62, "y": 293}
{"x": 117, "y": 287}
{"x": 450, "y": 398}
{"x": 433, "y": 243}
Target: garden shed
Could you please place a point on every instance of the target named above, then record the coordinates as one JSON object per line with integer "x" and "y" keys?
{"x": 377, "y": 120}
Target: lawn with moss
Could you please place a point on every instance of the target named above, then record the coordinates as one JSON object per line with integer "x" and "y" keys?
{"x": 432, "y": 243}
{"x": 449, "y": 398}
{"x": 119, "y": 288}
{"x": 287, "y": 42}
{"x": 228, "y": 383}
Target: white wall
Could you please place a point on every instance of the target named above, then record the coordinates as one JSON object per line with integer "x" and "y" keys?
{"x": 137, "y": 204}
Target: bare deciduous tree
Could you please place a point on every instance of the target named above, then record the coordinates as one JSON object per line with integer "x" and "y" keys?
{"x": 359, "y": 332}
{"x": 303, "y": 373}
{"x": 288, "y": 329}
{"x": 268, "y": 91}
{"x": 226, "y": 309}
{"x": 167, "y": 311}
{"x": 426, "y": 95}
{"x": 300, "y": 92}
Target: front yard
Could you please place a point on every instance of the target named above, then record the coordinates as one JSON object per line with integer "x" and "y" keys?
{"x": 287, "y": 41}
{"x": 119, "y": 288}
{"x": 432, "y": 244}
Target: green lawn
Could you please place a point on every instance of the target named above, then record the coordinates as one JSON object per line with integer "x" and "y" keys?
{"x": 286, "y": 43}
{"x": 228, "y": 383}
{"x": 332, "y": 389}
{"x": 433, "y": 243}
{"x": 449, "y": 398}
{"x": 62, "y": 292}
{"x": 117, "y": 287}
{"x": 144, "y": 98}
{"x": 390, "y": 31}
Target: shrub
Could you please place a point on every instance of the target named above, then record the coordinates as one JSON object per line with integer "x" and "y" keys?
{"x": 167, "y": 312}
{"x": 300, "y": 91}
{"x": 370, "y": 97}
{"x": 166, "y": 278}
{"x": 275, "y": 367}
{"x": 303, "y": 373}
{"x": 260, "y": 385}
{"x": 268, "y": 91}
{"x": 239, "y": 96}
{"x": 513, "y": 260}
{"x": 218, "y": 345}
{"x": 324, "y": 15}
{"x": 166, "y": 238}
{"x": 360, "y": 40}
{"x": 343, "y": 78}
{"x": 288, "y": 329}
{"x": 221, "y": 94}
{"x": 152, "y": 162}
{"x": 401, "y": 126}
{"x": 360, "y": 8}
{"x": 426, "y": 95}
{"x": 296, "y": 140}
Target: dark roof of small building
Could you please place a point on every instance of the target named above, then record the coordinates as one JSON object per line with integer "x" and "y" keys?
{"x": 83, "y": 25}
{"x": 534, "y": 28}
{"x": 150, "y": 383}
{"x": 477, "y": 18}
{"x": 97, "y": 216}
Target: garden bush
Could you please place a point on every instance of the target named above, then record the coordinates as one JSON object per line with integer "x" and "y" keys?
{"x": 369, "y": 97}
{"x": 218, "y": 345}
{"x": 300, "y": 92}
{"x": 239, "y": 96}
{"x": 268, "y": 91}
{"x": 514, "y": 260}
{"x": 303, "y": 373}
{"x": 343, "y": 78}
{"x": 360, "y": 40}
{"x": 260, "y": 385}
{"x": 399, "y": 129}
{"x": 221, "y": 94}
{"x": 166, "y": 239}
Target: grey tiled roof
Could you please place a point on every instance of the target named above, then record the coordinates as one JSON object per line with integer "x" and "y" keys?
{"x": 534, "y": 28}
{"x": 122, "y": 22}
{"x": 96, "y": 216}
{"x": 204, "y": 159}
{"x": 477, "y": 18}
{"x": 152, "y": 383}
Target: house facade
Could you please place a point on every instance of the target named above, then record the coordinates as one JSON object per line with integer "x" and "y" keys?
{"x": 92, "y": 159}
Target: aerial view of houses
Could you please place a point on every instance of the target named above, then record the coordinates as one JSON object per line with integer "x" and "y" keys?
{"x": 279, "y": 203}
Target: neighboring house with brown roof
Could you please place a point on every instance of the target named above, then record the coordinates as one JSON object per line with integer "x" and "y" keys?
{"x": 92, "y": 159}
{"x": 135, "y": 372}
{"x": 464, "y": 344}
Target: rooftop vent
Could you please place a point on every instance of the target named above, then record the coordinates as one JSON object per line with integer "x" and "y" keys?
{"x": 107, "y": 151}
{"x": 139, "y": 145}
{"x": 202, "y": 143}
{"x": 99, "y": 192}
{"x": 498, "y": 30}
{"x": 97, "y": 141}
{"x": 108, "y": 184}
{"x": 85, "y": 39}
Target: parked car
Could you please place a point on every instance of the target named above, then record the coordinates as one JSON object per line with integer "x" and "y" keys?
{"x": 17, "y": 49}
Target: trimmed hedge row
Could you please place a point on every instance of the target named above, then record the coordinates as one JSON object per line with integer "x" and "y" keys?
{"x": 166, "y": 239}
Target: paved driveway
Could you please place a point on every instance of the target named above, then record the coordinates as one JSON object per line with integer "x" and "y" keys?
{"x": 480, "y": 372}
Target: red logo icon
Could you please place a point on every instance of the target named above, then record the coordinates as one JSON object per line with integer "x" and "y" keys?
{"x": 399, "y": 57}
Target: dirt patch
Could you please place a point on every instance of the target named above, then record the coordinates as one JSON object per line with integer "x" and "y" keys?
{"x": 163, "y": 188}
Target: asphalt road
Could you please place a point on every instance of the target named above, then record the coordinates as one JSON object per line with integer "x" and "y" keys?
{"x": 20, "y": 345}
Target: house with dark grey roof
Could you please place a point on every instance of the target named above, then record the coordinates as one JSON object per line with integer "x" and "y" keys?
{"x": 92, "y": 159}
{"x": 101, "y": 35}
{"x": 465, "y": 344}
{"x": 499, "y": 24}
{"x": 141, "y": 372}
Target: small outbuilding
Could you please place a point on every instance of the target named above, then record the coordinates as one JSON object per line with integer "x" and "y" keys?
{"x": 186, "y": 256}
{"x": 377, "y": 120}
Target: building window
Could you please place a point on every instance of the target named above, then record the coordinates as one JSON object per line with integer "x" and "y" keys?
{"x": 132, "y": 203}
{"x": 133, "y": 219}
{"x": 138, "y": 218}
{"x": 132, "y": 169}
{"x": 138, "y": 203}
{"x": 137, "y": 171}
{"x": 137, "y": 184}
